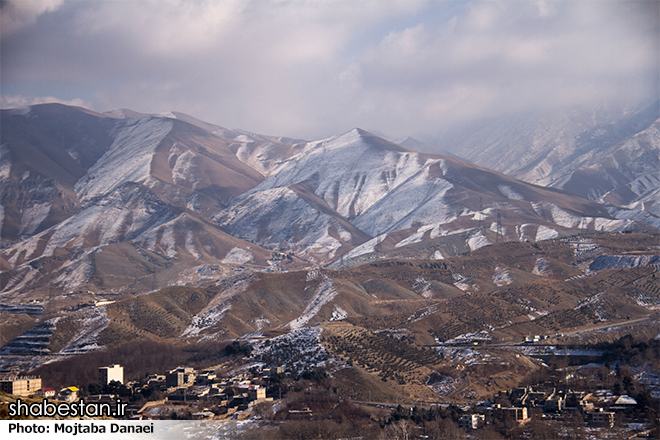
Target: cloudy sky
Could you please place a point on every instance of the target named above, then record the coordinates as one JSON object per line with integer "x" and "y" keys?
{"x": 312, "y": 69}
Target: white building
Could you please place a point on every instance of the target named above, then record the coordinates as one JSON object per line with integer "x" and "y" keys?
{"x": 113, "y": 372}
{"x": 471, "y": 421}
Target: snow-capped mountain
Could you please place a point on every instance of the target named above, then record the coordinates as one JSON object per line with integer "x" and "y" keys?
{"x": 338, "y": 193}
{"x": 609, "y": 154}
{"x": 76, "y": 184}
{"x": 124, "y": 200}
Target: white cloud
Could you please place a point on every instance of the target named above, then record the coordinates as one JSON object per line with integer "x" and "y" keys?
{"x": 17, "y": 14}
{"x": 510, "y": 57}
{"x": 315, "y": 68}
{"x": 17, "y": 101}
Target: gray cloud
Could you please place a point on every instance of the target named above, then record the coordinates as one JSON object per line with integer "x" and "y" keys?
{"x": 312, "y": 69}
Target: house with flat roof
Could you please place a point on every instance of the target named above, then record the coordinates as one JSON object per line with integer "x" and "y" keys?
{"x": 600, "y": 419}
{"x": 20, "y": 385}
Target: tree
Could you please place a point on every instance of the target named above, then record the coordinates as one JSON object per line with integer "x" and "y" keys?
{"x": 94, "y": 388}
{"x": 401, "y": 430}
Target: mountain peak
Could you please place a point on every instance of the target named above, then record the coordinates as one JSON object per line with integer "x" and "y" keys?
{"x": 367, "y": 139}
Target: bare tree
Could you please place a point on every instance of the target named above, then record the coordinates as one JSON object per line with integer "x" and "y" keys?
{"x": 401, "y": 430}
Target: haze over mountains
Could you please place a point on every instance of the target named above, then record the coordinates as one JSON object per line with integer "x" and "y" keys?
{"x": 128, "y": 201}
{"x": 606, "y": 153}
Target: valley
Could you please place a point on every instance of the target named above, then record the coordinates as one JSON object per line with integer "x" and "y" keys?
{"x": 387, "y": 275}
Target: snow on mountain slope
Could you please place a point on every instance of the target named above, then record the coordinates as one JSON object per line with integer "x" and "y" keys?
{"x": 596, "y": 153}
{"x": 350, "y": 172}
{"x": 420, "y": 199}
{"x": 264, "y": 155}
{"x": 322, "y": 295}
{"x": 280, "y": 215}
{"x": 143, "y": 172}
{"x": 174, "y": 191}
{"x": 308, "y": 199}
{"x": 612, "y": 157}
{"x": 121, "y": 215}
{"x": 382, "y": 187}
{"x": 127, "y": 160}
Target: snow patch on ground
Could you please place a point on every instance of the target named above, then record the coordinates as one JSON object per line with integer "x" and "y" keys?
{"x": 477, "y": 241}
{"x": 32, "y": 218}
{"x": 437, "y": 255}
{"x": 2, "y": 216}
{"x": 345, "y": 235}
{"x": 322, "y": 244}
{"x": 467, "y": 338}
{"x": 509, "y": 192}
{"x": 438, "y": 231}
{"x": 565, "y": 219}
{"x": 542, "y": 267}
{"x": 90, "y": 322}
{"x": 25, "y": 248}
{"x": 537, "y": 314}
{"x": 77, "y": 272}
{"x": 338, "y": 314}
{"x": 219, "y": 305}
{"x": 607, "y": 225}
{"x": 322, "y": 295}
{"x": 443, "y": 385}
{"x": 464, "y": 283}
{"x": 423, "y": 287}
{"x": 525, "y": 232}
{"x": 207, "y": 319}
{"x": 623, "y": 261}
{"x": 204, "y": 272}
{"x": 414, "y": 238}
{"x": 167, "y": 240}
{"x": 367, "y": 247}
{"x": 186, "y": 170}
{"x": 238, "y": 256}
{"x": 261, "y": 323}
{"x": 313, "y": 274}
{"x": 298, "y": 350}
{"x": 545, "y": 233}
{"x": 593, "y": 299}
{"x": 5, "y": 162}
{"x": 190, "y": 245}
{"x": 23, "y": 278}
{"x": 502, "y": 277}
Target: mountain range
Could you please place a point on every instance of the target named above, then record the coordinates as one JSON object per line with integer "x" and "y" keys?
{"x": 128, "y": 202}
{"x": 607, "y": 154}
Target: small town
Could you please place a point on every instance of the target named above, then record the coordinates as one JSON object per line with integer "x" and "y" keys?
{"x": 262, "y": 395}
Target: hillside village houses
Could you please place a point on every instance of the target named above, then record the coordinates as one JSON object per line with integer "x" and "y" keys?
{"x": 208, "y": 396}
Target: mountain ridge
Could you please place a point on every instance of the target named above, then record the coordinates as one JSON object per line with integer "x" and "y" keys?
{"x": 125, "y": 177}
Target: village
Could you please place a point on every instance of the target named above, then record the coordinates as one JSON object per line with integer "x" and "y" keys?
{"x": 255, "y": 393}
